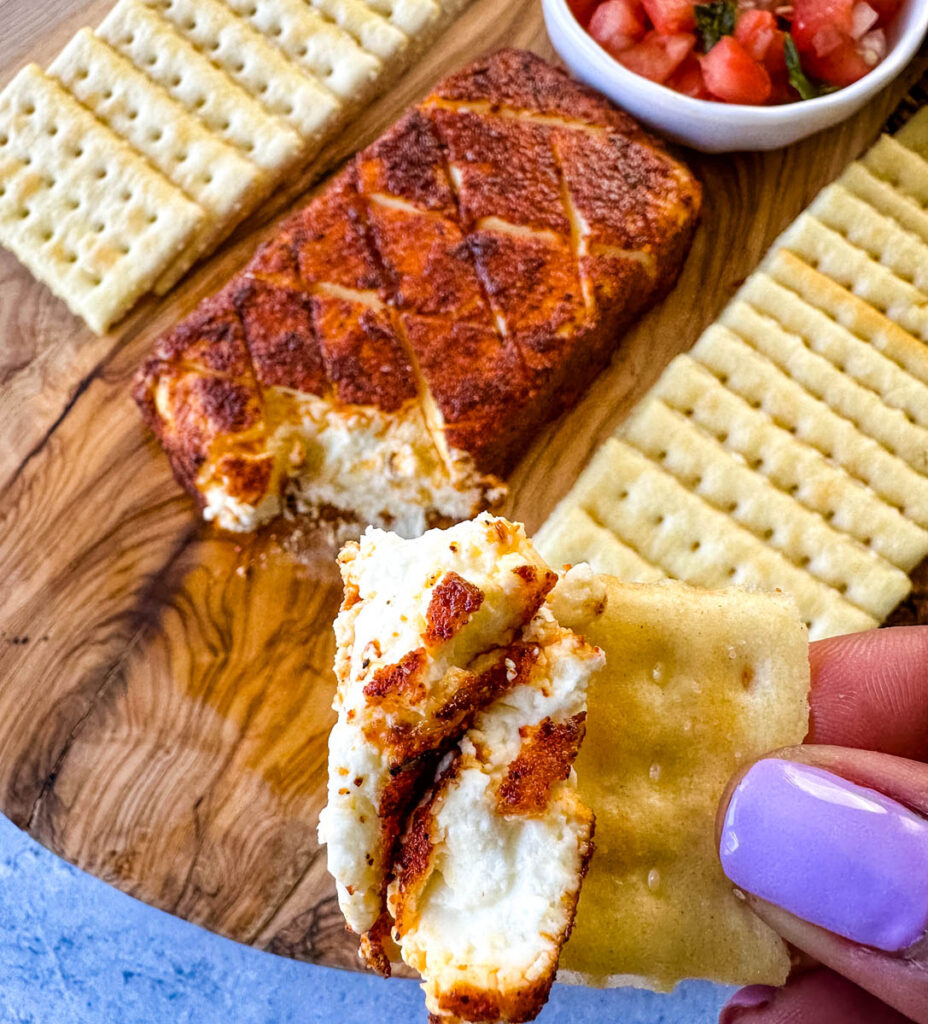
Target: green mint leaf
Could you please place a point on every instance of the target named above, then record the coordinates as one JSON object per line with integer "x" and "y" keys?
{"x": 797, "y": 77}
{"x": 714, "y": 21}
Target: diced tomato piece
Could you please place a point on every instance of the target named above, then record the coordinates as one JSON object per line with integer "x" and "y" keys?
{"x": 657, "y": 56}
{"x": 780, "y": 89}
{"x": 756, "y": 31}
{"x": 820, "y": 26}
{"x": 840, "y": 66}
{"x": 688, "y": 79}
{"x": 670, "y": 16}
{"x": 618, "y": 24}
{"x": 775, "y": 57}
{"x": 822, "y": 33}
{"x": 582, "y": 10}
{"x": 731, "y": 73}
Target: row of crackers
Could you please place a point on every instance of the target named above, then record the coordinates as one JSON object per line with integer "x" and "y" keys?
{"x": 789, "y": 448}
{"x": 150, "y": 138}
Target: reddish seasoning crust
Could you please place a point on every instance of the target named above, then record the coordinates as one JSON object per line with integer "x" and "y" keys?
{"x": 198, "y": 393}
{"x": 545, "y": 758}
{"x": 403, "y": 790}
{"x": 372, "y": 947}
{"x": 408, "y": 161}
{"x": 363, "y": 359}
{"x": 446, "y": 277}
{"x": 413, "y": 860}
{"x": 471, "y": 370}
{"x": 510, "y": 670}
{"x": 394, "y": 687}
{"x": 533, "y": 283}
{"x": 278, "y": 326}
{"x": 521, "y": 80}
{"x": 451, "y": 605}
{"x": 415, "y": 726}
{"x": 469, "y": 1003}
{"x": 411, "y": 721}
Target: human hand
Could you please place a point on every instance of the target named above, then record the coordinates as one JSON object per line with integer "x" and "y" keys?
{"x": 837, "y": 870}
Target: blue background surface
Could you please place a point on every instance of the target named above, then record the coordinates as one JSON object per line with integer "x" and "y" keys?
{"x": 76, "y": 951}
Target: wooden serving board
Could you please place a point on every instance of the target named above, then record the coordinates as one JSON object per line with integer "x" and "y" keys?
{"x": 165, "y": 689}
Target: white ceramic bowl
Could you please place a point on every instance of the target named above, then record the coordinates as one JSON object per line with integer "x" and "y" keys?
{"x": 722, "y": 127}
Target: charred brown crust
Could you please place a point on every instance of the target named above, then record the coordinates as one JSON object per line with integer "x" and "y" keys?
{"x": 510, "y": 670}
{"x": 197, "y": 391}
{"x": 451, "y": 605}
{"x": 399, "y": 685}
{"x": 547, "y": 753}
{"x": 515, "y": 1005}
{"x": 401, "y": 792}
{"x": 251, "y": 475}
{"x": 473, "y": 376}
{"x": 507, "y": 169}
{"x": 429, "y": 263}
{"x": 372, "y": 947}
{"x": 330, "y": 238}
{"x": 280, "y": 338}
{"x": 413, "y": 860}
{"x": 407, "y": 161}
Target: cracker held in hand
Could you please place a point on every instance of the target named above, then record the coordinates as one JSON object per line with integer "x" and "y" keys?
{"x": 696, "y": 684}
{"x": 454, "y": 678}
{"x": 789, "y": 449}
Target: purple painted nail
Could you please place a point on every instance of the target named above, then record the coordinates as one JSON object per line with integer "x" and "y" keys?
{"x": 833, "y": 853}
{"x": 752, "y": 997}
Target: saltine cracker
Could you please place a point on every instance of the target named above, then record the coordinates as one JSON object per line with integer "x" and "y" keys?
{"x": 375, "y": 34}
{"x": 212, "y": 173}
{"x": 914, "y": 134}
{"x": 577, "y": 537}
{"x": 800, "y": 470}
{"x": 865, "y": 182}
{"x": 823, "y": 295}
{"x": 155, "y": 46}
{"x": 851, "y": 355}
{"x": 696, "y": 684}
{"x": 861, "y": 405}
{"x": 829, "y": 252}
{"x": 774, "y": 516}
{"x": 413, "y": 17}
{"x": 80, "y": 208}
{"x": 258, "y": 67}
{"x": 323, "y": 50}
{"x": 760, "y": 383}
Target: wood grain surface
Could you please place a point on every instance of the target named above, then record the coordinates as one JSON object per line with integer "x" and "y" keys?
{"x": 165, "y": 689}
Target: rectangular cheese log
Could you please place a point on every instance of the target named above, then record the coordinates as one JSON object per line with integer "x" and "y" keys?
{"x": 407, "y": 333}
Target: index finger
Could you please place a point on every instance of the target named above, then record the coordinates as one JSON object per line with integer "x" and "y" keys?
{"x": 870, "y": 690}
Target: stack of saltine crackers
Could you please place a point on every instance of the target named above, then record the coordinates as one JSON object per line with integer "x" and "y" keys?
{"x": 149, "y": 139}
{"x": 789, "y": 449}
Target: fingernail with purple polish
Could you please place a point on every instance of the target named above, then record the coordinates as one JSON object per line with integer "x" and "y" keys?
{"x": 753, "y": 997}
{"x": 843, "y": 857}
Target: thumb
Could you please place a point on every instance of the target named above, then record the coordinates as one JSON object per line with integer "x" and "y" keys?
{"x": 830, "y": 847}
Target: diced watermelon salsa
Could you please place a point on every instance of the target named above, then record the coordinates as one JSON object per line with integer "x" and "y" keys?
{"x": 743, "y": 51}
